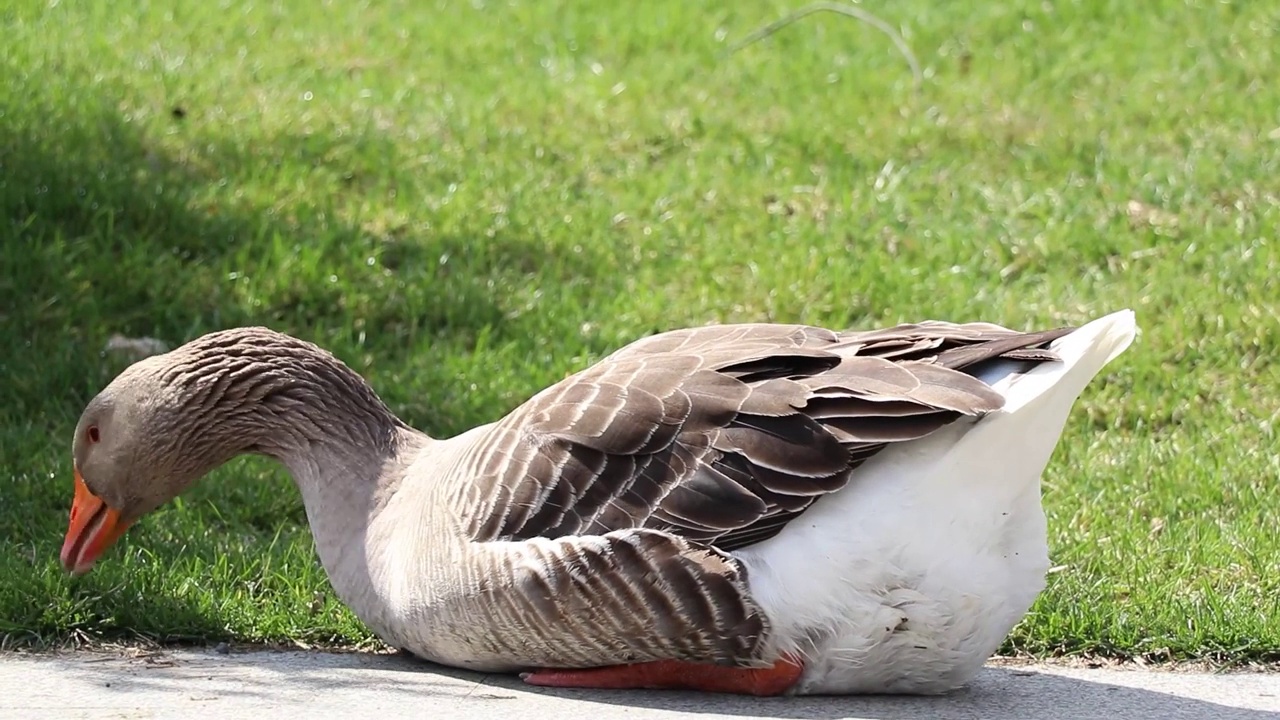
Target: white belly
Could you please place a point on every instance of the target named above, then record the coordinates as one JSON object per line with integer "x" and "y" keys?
{"x": 907, "y": 580}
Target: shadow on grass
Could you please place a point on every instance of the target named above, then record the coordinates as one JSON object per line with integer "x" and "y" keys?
{"x": 107, "y": 228}
{"x": 109, "y": 232}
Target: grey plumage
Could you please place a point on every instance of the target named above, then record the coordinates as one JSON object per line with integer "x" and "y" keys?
{"x": 647, "y": 467}
{"x": 595, "y": 523}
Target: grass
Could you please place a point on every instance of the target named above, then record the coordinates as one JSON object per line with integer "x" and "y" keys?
{"x": 466, "y": 201}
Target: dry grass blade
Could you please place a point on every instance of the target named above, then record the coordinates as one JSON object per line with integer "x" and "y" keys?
{"x": 841, "y": 9}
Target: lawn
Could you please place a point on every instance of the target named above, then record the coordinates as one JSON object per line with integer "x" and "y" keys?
{"x": 467, "y": 200}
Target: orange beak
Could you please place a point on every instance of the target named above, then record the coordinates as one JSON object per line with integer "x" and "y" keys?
{"x": 94, "y": 527}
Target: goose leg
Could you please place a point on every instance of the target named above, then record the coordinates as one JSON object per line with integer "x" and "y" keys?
{"x": 676, "y": 675}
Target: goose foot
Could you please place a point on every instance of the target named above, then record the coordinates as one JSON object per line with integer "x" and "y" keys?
{"x": 676, "y": 675}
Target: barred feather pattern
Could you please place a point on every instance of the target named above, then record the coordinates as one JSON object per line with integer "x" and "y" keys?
{"x": 604, "y": 511}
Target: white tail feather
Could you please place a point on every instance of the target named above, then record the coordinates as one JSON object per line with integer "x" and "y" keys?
{"x": 1084, "y": 353}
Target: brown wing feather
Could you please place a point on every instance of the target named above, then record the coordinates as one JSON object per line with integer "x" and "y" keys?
{"x": 723, "y": 434}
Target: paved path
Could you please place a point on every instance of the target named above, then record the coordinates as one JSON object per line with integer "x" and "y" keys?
{"x": 268, "y": 685}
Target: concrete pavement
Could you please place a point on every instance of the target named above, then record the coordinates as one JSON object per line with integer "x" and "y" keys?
{"x": 264, "y": 685}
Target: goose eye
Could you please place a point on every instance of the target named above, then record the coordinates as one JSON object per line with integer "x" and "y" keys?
{"x": 92, "y": 433}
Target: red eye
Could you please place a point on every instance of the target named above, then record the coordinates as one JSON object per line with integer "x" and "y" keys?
{"x": 92, "y": 433}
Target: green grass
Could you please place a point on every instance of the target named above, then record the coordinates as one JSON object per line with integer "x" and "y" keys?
{"x": 466, "y": 201}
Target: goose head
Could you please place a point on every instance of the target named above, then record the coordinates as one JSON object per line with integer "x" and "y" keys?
{"x": 138, "y": 444}
{"x": 168, "y": 420}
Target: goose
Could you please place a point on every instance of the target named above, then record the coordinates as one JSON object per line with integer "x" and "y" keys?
{"x": 762, "y": 509}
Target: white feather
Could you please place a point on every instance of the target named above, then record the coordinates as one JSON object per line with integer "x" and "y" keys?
{"x": 908, "y": 580}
